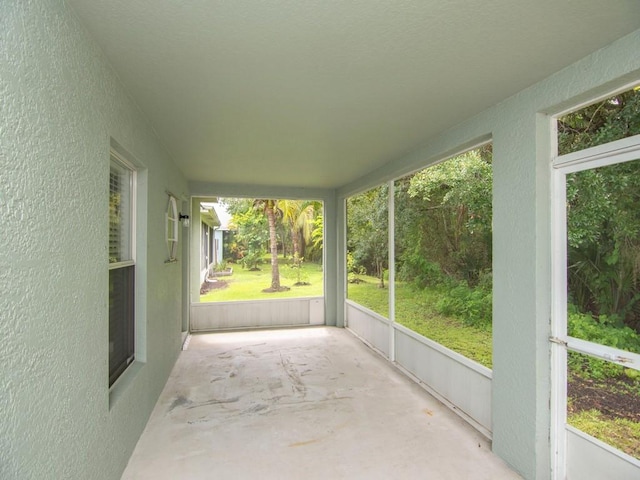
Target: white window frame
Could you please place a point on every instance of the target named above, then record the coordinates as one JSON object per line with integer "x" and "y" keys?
{"x": 131, "y": 262}
{"x": 172, "y": 228}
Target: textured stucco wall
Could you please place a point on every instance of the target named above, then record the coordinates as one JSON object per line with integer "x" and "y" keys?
{"x": 60, "y": 105}
{"x": 519, "y": 127}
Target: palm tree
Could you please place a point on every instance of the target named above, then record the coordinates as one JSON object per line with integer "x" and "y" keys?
{"x": 298, "y": 215}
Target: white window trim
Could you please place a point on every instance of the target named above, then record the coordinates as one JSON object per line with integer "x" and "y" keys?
{"x": 618, "y": 151}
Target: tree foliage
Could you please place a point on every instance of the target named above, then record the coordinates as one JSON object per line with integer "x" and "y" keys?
{"x": 268, "y": 225}
{"x": 367, "y": 227}
{"x": 298, "y": 216}
{"x": 252, "y": 232}
{"x": 443, "y": 221}
{"x": 611, "y": 119}
{"x": 603, "y": 213}
{"x": 317, "y": 236}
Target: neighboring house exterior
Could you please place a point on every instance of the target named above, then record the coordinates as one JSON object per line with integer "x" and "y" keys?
{"x": 222, "y": 232}
{"x": 210, "y": 239}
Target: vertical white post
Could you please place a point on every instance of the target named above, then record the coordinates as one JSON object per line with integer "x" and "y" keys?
{"x": 558, "y": 326}
{"x": 341, "y": 255}
{"x": 392, "y": 270}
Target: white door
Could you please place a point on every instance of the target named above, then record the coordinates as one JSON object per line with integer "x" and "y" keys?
{"x": 594, "y": 368}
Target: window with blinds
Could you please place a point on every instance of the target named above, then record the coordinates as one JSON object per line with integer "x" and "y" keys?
{"x": 120, "y": 211}
{"x": 121, "y": 267}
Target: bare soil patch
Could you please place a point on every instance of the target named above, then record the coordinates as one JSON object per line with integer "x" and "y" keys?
{"x": 613, "y": 397}
{"x": 208, "y": 285}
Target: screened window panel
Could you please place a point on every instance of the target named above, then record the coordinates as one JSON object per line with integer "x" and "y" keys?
{"x": 121, "y": 320}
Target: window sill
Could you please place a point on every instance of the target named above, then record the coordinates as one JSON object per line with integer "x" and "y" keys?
{"x": 124, "y": 382}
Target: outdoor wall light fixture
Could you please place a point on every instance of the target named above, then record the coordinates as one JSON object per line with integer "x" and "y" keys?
{"x": 185, "y": 219}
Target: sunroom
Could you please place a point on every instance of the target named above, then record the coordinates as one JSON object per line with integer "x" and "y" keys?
{"x": 352, "y": 105}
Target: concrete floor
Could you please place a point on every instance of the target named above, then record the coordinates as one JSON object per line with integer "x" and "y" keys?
{"x": 311, "y": 403}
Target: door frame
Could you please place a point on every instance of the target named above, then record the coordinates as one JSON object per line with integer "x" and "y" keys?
{"x": 627, "y": 149}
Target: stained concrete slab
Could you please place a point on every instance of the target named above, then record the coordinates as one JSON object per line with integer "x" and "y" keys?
{"x": 313, "y": 403}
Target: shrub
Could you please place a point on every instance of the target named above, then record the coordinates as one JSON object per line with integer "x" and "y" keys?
{"x": 251, "y": 260}
{"x": 606, "y": 331}
{"x": 471, "y": 305}
{"x": 221, "y": 267}
{"x": 421, "y": 272}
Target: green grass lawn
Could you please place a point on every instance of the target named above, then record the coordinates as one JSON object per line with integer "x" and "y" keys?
{"x": 247, "y": 285}
{"x": 414, "y": 310}
{"x": 368, "y": 294}
{"x": 620, "y": 433}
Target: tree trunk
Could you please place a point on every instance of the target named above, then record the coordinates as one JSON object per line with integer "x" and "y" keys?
{"x": 380, "y": 267}
{"x": 295, "y": 238}
{"x": 275, "y": 272}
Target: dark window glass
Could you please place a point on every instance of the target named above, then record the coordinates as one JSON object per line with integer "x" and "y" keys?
{"x": 121, "y": 320}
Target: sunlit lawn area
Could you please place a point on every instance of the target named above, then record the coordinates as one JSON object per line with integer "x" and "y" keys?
{"x": 415, "y": 310}
{"x": 247, "y": 285}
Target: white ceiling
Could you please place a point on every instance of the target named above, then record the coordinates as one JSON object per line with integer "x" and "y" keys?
{"x": 316, "y": 93}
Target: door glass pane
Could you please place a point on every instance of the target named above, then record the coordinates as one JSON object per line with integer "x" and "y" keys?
{"x": 603, "y": 400}
{"x": 603, "y": 273}
{"x": 603, "y": 235}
